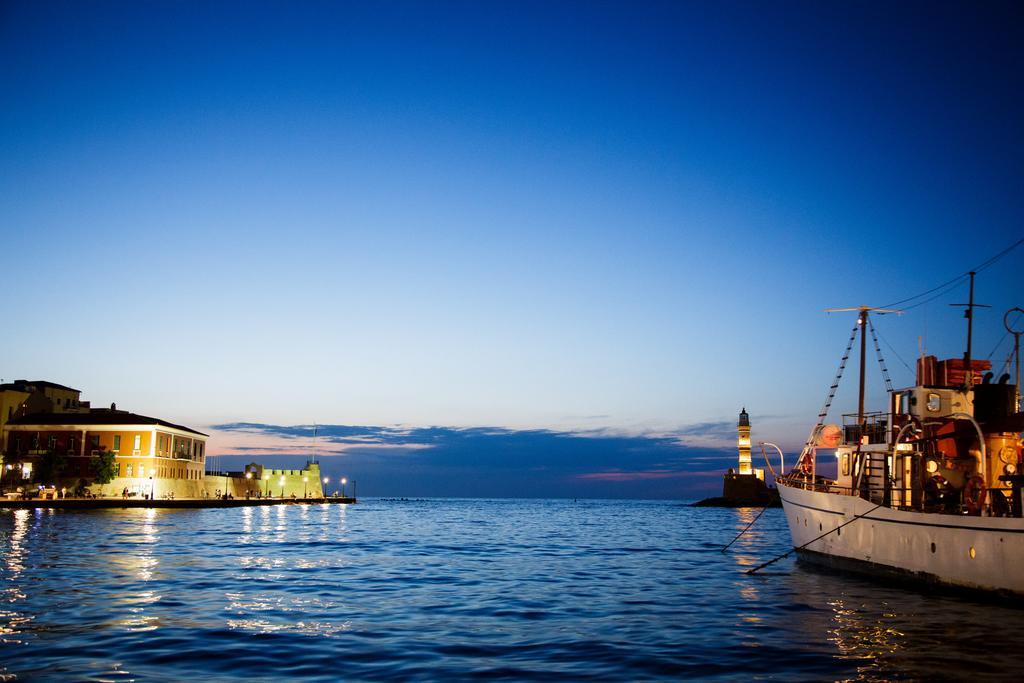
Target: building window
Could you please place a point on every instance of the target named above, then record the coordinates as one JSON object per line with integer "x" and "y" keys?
{"x": 35, "y": 441}
{"x": 129, "y": 472}
{"x": 95, "y": 441}
{"x": 142, "y": 470}
{"x": 71, "y": 444}
{"x": 117, "y": 469}
{"x": 117, "y": 443}
{"x": 138, "y": 442}
{"x": 51, "y": 442}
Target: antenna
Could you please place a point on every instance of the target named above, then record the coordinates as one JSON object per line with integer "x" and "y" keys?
{"x": 879, "y": 311}
{"x": 969, "y": 314}
{"x": 1016, "y": 349}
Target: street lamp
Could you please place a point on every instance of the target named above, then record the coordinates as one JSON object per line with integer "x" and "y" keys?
{"x": 344, "y": 480}
{"x": 326, "y": 479}
{"x": 151, "y": 487}
{"x": 281, "y": 482}
{"x": 248, "y": 480}
{"x": 266, "y": 478}
{"x": 305, "y": 481}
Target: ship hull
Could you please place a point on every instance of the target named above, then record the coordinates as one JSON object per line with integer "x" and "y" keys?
{"x": 983, "y": 553}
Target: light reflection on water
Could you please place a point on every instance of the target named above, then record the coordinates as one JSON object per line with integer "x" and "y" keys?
{"x": 460, "y": 589}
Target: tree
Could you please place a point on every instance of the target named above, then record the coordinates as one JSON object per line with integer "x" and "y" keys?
{"x": 104, "y": 468}
{"x": 50, "y": 466}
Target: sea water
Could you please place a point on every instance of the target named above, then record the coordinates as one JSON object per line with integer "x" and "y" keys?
{"x": 460, "y": 589}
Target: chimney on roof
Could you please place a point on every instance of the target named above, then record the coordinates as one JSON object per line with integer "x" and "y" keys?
{"x": 113, "y": 406}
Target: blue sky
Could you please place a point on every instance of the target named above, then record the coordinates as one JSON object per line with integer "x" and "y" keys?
{"x": 611, "y": 219}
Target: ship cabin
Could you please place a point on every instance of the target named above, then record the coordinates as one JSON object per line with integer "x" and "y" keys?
{"x": 950, "y": 444}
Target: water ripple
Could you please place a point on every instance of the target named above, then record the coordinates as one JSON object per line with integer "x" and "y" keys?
{"x": 459, "y": 589}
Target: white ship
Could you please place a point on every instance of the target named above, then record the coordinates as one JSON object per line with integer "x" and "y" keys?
{"x": 929, "y": 489}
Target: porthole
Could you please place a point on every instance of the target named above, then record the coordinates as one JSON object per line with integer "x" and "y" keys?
{"x": 819, "y": 526}
{"x": 971, "y": 552}
{"x": 933, "y": 547}
{"x": 805, "y": 521}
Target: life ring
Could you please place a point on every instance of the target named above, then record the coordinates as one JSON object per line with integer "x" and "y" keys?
{"x": 975, "y": 493}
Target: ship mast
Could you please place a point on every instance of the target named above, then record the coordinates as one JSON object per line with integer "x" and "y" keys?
{"x": 862, "y": 320}
{"x": 862, "y": 325}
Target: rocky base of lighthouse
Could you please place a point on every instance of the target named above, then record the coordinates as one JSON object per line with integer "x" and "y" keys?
{"x": 743, "y": 490}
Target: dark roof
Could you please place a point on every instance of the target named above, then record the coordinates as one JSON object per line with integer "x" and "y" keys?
{"x": 20, "y": 384}
{"x": 97, "y": 417}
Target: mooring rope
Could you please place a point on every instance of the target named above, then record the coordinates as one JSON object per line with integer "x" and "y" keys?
{"x": 785, "y": 555}
{"x": 748, "y": 526}
{"x": 766, "y": 505}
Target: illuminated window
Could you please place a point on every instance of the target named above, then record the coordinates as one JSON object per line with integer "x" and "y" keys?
{"x": 138, "y": 442}
{"x": 128, "y": 473}
{"x": 142, "y": 470}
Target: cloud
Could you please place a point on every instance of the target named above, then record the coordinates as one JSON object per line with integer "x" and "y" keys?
{"x": 496, "y": 461}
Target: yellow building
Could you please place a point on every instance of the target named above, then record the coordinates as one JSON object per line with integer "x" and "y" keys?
{"x": 41, "y": 396}
{"x": 12, "y": 400}
{"x": 152, "y": 456}
{"x": 23, "y": 396}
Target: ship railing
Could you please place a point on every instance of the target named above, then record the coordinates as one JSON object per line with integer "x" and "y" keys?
{"x": 875, "y": 427}
{"x": 800, "y": 480}
{"x": 902, "y": 498}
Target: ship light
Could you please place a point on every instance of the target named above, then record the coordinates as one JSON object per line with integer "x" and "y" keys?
{"x": 1011, "y": 468}
{"x": 904, "y": 447}
{"x": 932, "y": 466}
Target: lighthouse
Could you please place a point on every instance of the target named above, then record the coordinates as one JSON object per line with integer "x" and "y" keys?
{"x": 743, "y": 427}
{"x": 744, "y": 486}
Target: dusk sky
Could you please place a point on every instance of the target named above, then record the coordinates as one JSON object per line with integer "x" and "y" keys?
{"x": 501, "y": 248}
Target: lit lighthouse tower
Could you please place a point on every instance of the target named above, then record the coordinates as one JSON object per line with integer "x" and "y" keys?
{"x": 744, "y": 486}
{"x": 744, "y": 442}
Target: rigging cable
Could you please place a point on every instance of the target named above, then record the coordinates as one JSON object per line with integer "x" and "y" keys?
{"x": 881, "y": 361}
{"x": 998, "y": 344}
{"x": 831, "y": 395}
{"x": 955, "y": 281}
{"x": 896, "y": 353}
{"x": 1005, "y": 367}
{"x": 941, "y": 294}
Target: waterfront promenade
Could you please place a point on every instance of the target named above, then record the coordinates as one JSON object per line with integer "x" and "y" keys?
{"x": 106, "y": 503}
